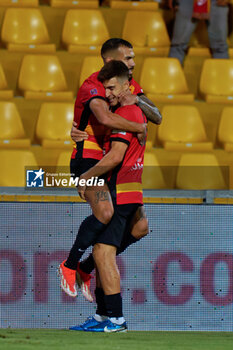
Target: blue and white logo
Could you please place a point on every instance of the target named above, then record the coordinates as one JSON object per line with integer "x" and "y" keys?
{"x": 35, "y": 178}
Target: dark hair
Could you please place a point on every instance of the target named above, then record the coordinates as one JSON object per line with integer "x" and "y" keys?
{"x": 113, "y": 69}
{"x": 114, "y": 44}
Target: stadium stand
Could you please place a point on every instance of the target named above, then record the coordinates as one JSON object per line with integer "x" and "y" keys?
{"x": 152, "y": 177}
{"x": 199, "y": 42}
{"x": 41, "y": 77}
{"x": 182, "y": 129}
{"x": 63, "y": 159}
{"x": 163, "y": 80}
{"x": 5, "y": 94}
{"x": 12, "y": 134}
{"x": 86, "y": 4}
{"x": 90, "y": 65}
{"x": 148, "y": 38}
{"x": 77, "y": 66}
{"x": 63, "y": 166}
{"x": 84, "y": 31}
{"x": 13, "y": 163}
{"x": 25, "y": 30}
{"x": 225, "y": 129}
{"x": 19, "y": 3}
{"x": 199, "y": 171}
{"x": 216, "y": 82}
{"x": 54, "y": 125}
{"x": 152, "y": 133}
{"x": 134, "y": 5}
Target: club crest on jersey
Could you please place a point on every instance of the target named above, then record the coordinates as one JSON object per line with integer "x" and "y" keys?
{"x": 93, "y": 91}
{"x": 132, "y": 88}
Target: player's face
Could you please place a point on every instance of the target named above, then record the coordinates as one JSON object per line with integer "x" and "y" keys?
{"x": 126, "y": 55}
{"x": 113, "y": 87}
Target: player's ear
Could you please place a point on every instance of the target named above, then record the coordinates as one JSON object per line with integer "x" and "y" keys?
{"x": 126, "y": 85}
{"x": 108, "y": 59}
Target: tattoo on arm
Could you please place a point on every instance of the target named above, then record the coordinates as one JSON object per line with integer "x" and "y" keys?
{"x": 150, "y": 110}
{"x": 139, "y": 215}
{"x": 101, "y": 196}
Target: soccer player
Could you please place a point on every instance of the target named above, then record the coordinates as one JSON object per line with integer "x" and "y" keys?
{"x": 92, "y": 115}
{"x": 125, "y": 161}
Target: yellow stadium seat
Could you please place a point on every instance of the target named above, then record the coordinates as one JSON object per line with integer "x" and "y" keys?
{"x": 13, "y": 165}
{"x": 82, "y": 4}
{"x": 63, "y": 162}
{"x": 5, "y": 94}
{"x": 84, "y": 31}
{"x": 147, "y": 32}
{"x": 199, "y": 171}
{"x": 225, "y": 129}
{"x": 64, "y": 159}
{"x": 152, "y": 133}
{"x": 54, "y": 125}
{"x": 12, "y": 133}
{"x": 19, "y": 3}
{"x": 216, "y": 82}
{"x": 91, "y": 64}
{"x": 41, "y": 78}
{"x": 163, "y": 80}
{"x": 63, "y": 167}
{"x": 25, "y": 30}
{"x": 134, "y": 5}
{"x": 182, "y": 129}
{"x": 152, "y": 177}
{"x": 199, "y": 42}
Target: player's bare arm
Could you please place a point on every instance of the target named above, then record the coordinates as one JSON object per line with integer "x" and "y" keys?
{"x": 149, "y": 109}
{"x": 113, "y": 121}
{"x": 107, "y": 163}
{"x": 147, "y": 106}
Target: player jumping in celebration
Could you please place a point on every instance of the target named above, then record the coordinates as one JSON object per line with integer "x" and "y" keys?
{"x": 93, "y": 116}
{"x": 125, "y": 161}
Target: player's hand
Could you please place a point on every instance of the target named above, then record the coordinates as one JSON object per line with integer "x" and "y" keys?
{"x": 126, "y": 98}
{"x": 142, "y": 135}
{"x": 76, "y": 134}
{"x": 222, "y": 2}
{"x": 82, "y": 189}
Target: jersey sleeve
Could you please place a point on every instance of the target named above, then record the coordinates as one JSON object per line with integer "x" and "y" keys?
{"x": 122, "y": 136}
{"x": 137, "y": 89}
{"x": 92, "y": 90}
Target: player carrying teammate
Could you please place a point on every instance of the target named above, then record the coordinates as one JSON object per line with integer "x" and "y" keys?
{"x": 125, "y": 161}
{"x": 91, "y": 111}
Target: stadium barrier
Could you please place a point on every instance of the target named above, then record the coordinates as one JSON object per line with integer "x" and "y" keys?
{"x": 179, "y": 277}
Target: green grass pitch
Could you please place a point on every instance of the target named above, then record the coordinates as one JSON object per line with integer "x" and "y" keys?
{"x": 49, "y": 339}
